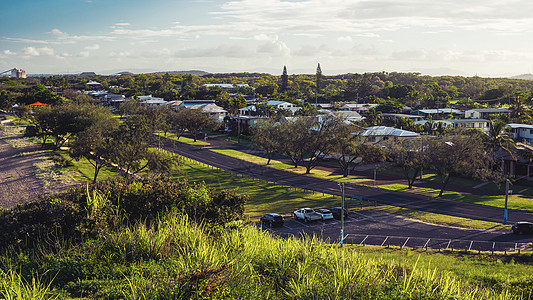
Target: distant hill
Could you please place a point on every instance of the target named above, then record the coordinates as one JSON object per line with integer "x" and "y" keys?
{"x": 192, "y": 72}
{"x": 523, "y": 76}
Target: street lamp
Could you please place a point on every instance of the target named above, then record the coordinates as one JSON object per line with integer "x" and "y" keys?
{"x": 341, "y": 185}
{"x": 506, "y": 198}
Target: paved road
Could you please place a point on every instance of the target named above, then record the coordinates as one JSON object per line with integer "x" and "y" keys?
{"x": 379, "y": 228}
{"x": 406, "y": 200}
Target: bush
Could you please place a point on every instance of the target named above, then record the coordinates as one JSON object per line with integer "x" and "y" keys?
{"x": 100, "y": 208}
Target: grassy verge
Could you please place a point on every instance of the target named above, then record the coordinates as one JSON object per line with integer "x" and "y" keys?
{"x": 283, "y": 166}
{"x": 83, "y": 171}
{"x": 264, "y": 196}
{"x": 439, "y": 218}
{"x": 520, "y": 199}
{"x": 183, "y": 139}
{"x": 516, "y": 201}
{"x": 267, "y": 197}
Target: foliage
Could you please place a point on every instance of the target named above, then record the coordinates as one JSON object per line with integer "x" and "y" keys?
{"x": 412, "y": 156}
{"x": 458, "y": 155}
{"x": 105, "y": 206}
{"x": 266, "y": 134}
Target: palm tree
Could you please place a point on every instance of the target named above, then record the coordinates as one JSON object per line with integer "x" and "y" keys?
{"x": 496, "y": 139}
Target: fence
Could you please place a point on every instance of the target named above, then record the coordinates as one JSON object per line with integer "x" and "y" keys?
{"x": 431, "y": 243}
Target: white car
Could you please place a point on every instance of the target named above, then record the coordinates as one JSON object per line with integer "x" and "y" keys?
{"x": 325, "y": 213}
{"x": 307, "y": 215}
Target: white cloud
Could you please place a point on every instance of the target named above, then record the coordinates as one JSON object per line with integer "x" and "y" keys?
{"x": 8, "y": 52}
{"x": 44, "y": 51}
{"x": 232, "y": 51}
{"x": 344, "y": 39}
{"x": 122, "y": 24}
{"x": 92, "y": 47}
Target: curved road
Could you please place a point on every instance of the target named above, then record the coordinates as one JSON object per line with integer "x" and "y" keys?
{"x": 410, "y": 201}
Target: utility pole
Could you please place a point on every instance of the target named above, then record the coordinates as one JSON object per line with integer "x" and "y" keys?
{"x": 506, "y": 198}
{"x": 341, "y": 184}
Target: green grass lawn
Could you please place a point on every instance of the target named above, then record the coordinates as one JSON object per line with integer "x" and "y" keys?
{"x": 183, "y": 139}
{"x": 516, "y": 201}
{"x": 520, "y": 199}
{"x": 83, "y": 171}
{"x": 264, "y": 197}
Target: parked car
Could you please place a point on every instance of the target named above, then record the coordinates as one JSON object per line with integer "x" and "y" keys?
{"x": 272, "y": 220}
{"x": 336, "y": 211}
{"x": 307, "y": 215}
{"x": 523, "y": 228}
{"x": 325, "y": 213}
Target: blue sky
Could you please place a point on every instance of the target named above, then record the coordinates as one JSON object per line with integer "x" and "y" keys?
{"x": 448, "y": 37}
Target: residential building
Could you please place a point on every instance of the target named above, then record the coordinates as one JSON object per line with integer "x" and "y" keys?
{"x": 486, "y": 113}
{"x": 376, "y": 134}
{"x": 521, "y": 132}
{"x": 437, "y": 113}
{"x": 482, "y": 124}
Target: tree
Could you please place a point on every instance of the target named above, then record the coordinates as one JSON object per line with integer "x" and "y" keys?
{"x": 318, "y": 81}
{"x": 95, "y": 144}
{"x": 352, "y": 148}
{"x": 267, "y": 136}
{"x": 284, "y": 80}
{"x": 458, "y": 155}
{"x": 63, "y": 121}
{"x": 305, "y": 138}
{"x": 131, "y": 149}
{"x": 496, "y": 139}
{"x": 194, "y": 120}
{"x": 411, "y": 156}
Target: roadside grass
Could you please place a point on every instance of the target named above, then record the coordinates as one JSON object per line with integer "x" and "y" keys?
{"x": 515, "y": 201}
{"x": 267, "y": 197}
{"x": 275, "y": 164}
{"x": 520, "y": 199}
{"x": 183, "y": 139}
{"x": 496, "y": 270}
{"x": 264, "y": 196}
{"x": 439, "y": 218}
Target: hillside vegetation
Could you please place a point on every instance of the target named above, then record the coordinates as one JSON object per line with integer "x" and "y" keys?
{"x": 163, "y": 240}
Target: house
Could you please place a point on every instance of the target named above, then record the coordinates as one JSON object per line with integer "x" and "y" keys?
{"x": 152, "y": 101}
{"x": 376, "y": 134}
{"x": 486, "y": 113}
{"x": 514, "y": 164}
{"x": 348, "y": 116}
{"x": 357, "y": 107}
{"x": 437, "y": 113}
{"x": 192, "y": 103}
{"x": 521, "y": 132}
{"x": 227, "y": 86}
{"x": 241, "y": 123}
{"x": 280, "y": 104}
{"x": 461, "y": 123}
{"x": 401, "y": 116}
{"x": 215, "y": 111}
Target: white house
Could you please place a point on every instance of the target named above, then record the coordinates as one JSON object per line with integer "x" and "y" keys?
{"x": 484, "y": 113}
{"x": 521, "y": 132}
{"x": 280, "y": 104}
{"x": 461, "y": 123}
{"x": 382, "y": 133}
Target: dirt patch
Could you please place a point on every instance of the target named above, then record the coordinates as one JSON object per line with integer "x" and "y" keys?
{"x": 26, "y": 171}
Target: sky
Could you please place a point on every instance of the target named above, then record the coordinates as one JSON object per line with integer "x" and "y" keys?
{"x": 447, "y": 37}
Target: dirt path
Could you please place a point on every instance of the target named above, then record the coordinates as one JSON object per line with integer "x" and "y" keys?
{"x": 26, "y": 172}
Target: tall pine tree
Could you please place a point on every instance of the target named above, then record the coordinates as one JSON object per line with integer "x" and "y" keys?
{"x": 284, "y": 80}
{"x": 318, "y": 79}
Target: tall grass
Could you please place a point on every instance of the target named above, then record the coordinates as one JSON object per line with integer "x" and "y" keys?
{"x": 13, "y": 286}
{"x": 174, "y": 258}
